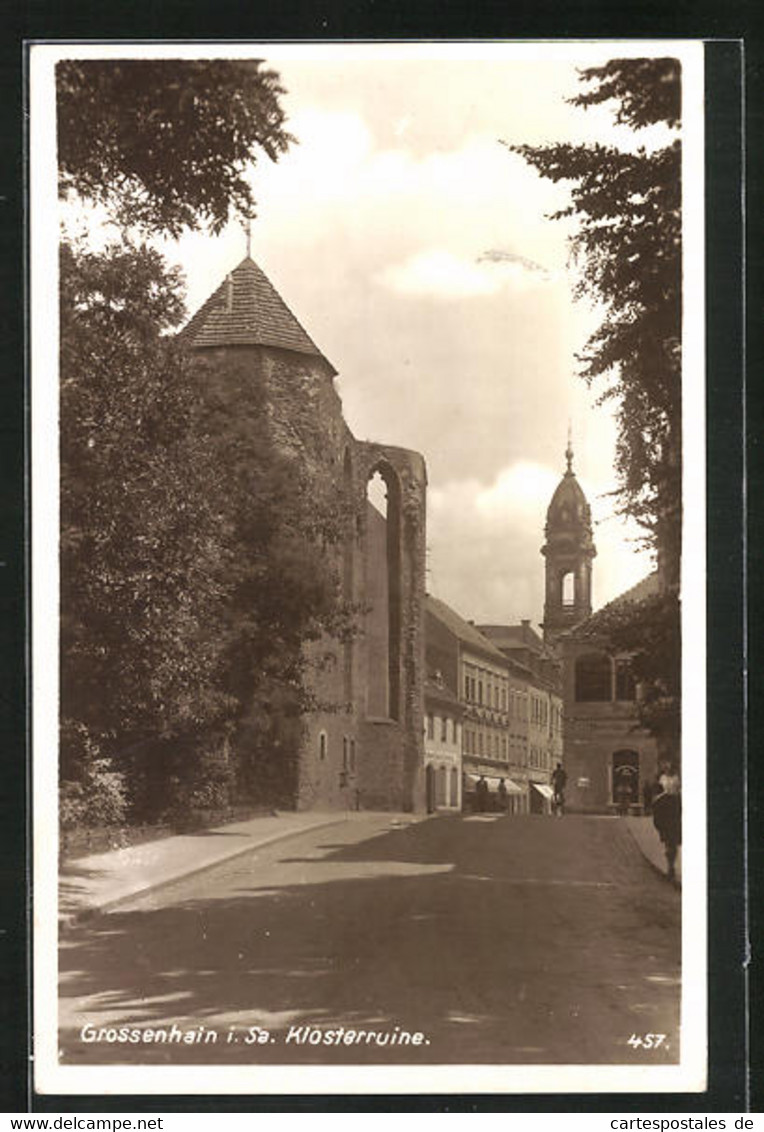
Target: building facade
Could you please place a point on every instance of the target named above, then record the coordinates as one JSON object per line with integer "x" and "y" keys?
{"x": 442, "y": 745}
{"x": 607, "y": 756}
{"x": 364, "y": 746}
{"x": 478, "y": 674}
{"x": 536, "y": 673}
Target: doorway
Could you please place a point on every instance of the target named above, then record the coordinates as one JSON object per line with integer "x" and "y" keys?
{"x": 625, "y": 779}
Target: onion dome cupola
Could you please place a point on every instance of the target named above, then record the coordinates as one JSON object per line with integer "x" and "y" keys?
{"x": 569, "y": 549}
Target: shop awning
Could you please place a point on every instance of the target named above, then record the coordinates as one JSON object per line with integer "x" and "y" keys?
{"x": 493, "y": 782}
{"x": 542, "y": 788}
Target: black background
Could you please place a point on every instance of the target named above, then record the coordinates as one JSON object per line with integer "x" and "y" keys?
{"x": 735, "y": 486}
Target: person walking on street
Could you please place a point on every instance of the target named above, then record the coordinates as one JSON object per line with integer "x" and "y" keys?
{"x": 481, "y": 795}
{"x": 559, "y": 782}
{"x": 502, "y": 792}
{"x": 667, "y": 816}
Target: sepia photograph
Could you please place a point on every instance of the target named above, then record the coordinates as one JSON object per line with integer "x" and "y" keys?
{"x": 368, "y": 527}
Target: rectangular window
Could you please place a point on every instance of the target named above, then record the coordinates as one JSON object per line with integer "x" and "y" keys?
{"x": 624, "y": 681}
{"x": 443, "y": 730}
{"x": 593, "y": 678}
{"x": 430, "y": 727}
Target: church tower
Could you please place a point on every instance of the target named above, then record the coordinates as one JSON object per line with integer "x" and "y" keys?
{"x": 568, "y": 550}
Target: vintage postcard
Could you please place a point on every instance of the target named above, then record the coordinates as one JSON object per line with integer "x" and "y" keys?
{"x": 368, "y": 600}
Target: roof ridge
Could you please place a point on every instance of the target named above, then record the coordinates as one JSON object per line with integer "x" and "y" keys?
{"x": 467, "y": 632}
{"x": 646, "y": 587}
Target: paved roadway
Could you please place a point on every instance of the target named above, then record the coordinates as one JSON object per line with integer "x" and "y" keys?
{"x": 502, "y": 940}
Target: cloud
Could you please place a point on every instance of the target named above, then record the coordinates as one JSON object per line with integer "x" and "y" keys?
{"x": 393, "y": 209}
{"x": 518, "y": 264}
{"x": 484, "y": 542}
{"x": 441, "y": 274}
{"x": 523, "y": 486}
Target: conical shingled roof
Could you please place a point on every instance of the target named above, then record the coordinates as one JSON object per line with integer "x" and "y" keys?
{"x": 247, "y": 310}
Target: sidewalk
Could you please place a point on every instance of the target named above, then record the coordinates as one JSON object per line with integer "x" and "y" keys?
{"x": 646, "y": 836}
{"x": 94, "y": 884}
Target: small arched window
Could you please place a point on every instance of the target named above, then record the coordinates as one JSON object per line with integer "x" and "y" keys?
{"x": 568, "y": 589}
{"x": 322, "y": 745}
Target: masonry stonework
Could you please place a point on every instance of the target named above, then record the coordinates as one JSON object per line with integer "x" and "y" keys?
{"x": 363, "y": 745}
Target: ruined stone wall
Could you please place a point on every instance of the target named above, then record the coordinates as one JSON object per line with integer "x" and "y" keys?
{"x": 359, "y": 750}
{"x": 392, "y": 773}
{"x": 387, "y": 770}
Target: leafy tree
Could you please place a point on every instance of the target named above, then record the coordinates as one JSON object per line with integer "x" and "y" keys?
{"x": 283, "y": 571}
{"x": 165, "y": 143}
{"x": 649, "y": 632}
{"x": 627, "y": 245}
{"x": 141, "y": 555}
{"x": 196, "y": 561}
{"x": 159, "y": 649}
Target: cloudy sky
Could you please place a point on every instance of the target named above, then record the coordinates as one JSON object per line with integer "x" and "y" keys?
{"x": 416, "y": 251}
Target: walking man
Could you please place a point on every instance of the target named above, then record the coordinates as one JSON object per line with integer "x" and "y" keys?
{"x": 559, "y": 782}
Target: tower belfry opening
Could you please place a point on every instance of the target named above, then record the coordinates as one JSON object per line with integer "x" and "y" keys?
{"x": 569, "y": 549}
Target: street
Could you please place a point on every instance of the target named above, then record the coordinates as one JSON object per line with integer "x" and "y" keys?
{"x": 501, "y": 940}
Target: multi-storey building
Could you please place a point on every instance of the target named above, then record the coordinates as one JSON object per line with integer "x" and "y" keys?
{"x": 608, "y": 756}
{"x": 538, "y": 725}
{"x": 478, "y": 673}
{"x": 442, "y": 745}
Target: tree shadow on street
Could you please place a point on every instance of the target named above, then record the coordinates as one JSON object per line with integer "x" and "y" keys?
{"x": 500, "y": 943}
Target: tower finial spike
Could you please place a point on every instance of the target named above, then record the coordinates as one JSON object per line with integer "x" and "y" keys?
{"x": 569, "y": 449}
{"x": 249, "y": 237}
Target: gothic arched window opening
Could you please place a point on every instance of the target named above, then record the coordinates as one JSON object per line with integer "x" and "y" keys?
{"x": 383, "y": 577}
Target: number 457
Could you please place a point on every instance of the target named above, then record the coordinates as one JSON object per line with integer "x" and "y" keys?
{"x": 646, "y": 1041}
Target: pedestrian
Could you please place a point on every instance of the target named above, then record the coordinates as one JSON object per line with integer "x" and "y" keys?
{"x": 669, "y": 778}
{"x": 559, "y": 782}
{"x": 503, "y": 796}
{"x": 481, "y": 793}
{"x": 667, "y": 816}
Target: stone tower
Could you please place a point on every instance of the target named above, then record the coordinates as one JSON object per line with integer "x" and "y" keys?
{"x": 568, "y": 550}
{"x": 362, "y": 746}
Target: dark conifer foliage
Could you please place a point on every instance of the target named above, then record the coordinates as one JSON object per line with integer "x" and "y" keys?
{"x": 627, "y": 247}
